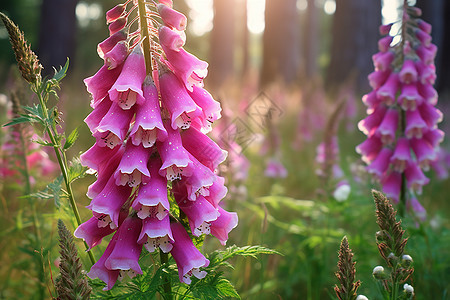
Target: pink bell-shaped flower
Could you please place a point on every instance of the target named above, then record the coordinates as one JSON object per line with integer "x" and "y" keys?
{"x": 156, "y": 233}
{"x": 174, "y": 157}
{"x": 99, "y": 112}
{"x": 402, "y": 155}
{"x": 177, "y": 101}
{"x": 151, "y": 200}
{"x": 99, "y": 84}
{"x": 113, "y": 127}
{"x": 132, "y": 169}
{"x": 108, "y": 44}
{"x": 410, "y": 98}
{"x": 171, "y": 39}
{"x": 126, "y": 251}
{"x": 200, "y": 214}
{"x": 415, "y": 125}
{"x": 171, "y": 17}
{"x": 380, "y": 165}
{"x": 369, "y": 149}
{"x": 128, "y": 87}
{"x": 117, "y": 55}
{"x": 425, "y": 154}
{"x": 99, "y": 270}
{"x": 392, "y": 185}
{"x": 388, "y": 126}
{"x": 415, "y": 178}
{"x": 223, "y": 225}
{"x": 387, "y": 92}
{"x": 189, "y": 260}
{"x": 148, "y": 126}
{"x": 408, "y": 73}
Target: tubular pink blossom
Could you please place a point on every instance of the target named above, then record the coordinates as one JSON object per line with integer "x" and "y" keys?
{"x": 370, "y": 124}
{"x": 100, "y": 83}
{"x": 132, "y": 169}
{"x": 378, "y": 78}
{"x": 424, "y": 26}
{"x": 275, "y": 169}
{"x": 402, "y": 155}
{"x": 91, "y": 233}
{"x": 117, "y": 25}
{"x": 174, "y": 157}
{"x": 415, "y": 177}
{"x": 430, "y": 114}
{"x": 105, "y": 172}
{"x": 371, "y": 101}
{"x": 423, "y": 37}
{"x": 108, "y": 44}
{"x": 392, "y": 185}
{"x": 217, "y": 191}
{"x": 388, "y": 126}
{"x": 110, "y": 200}
{"x": 414, "y": 205}
{"x": 380, "y": 165}
{"x": 189, "y": 260}
{"x": 94, "y": 118}
{"x": 384, "y": 29}
{"x": 427, "y": 54}
{"x": 115, "y": 13}
{"x": 386, "y": 93}
{"x": 382, "y": 60}
{"x": 425, "y": 154}
{"x": 97, "y": 156}
{"x": 427, "y": 73}
{"x": 156, "y": 234}
{"x": 408, "y": 73}
{"x": 210, "y": 107}
{"x": 434, "y": 137}
{"x": 223, "y": 225}
{"x": 171, "y": 39}
{"x": 99, "y": 270}
{"x": 126, "y": 251}
{"x": 205, "y": 150}
{"x": 113, "y": 127}
{"x": 127, "y": 90}
{"x": 410, "y": 98}
{"x": 369, "y": 149}
{"x": 152, "y": 198}
{"x": 200, "y": 214}
{"x": 148, "y": 126}
{"x": 171, "y": 17}
{"x": 384, "y": 43}
{"x": 176, "y": 100}
{"x": 187, "y": 67}
{"x": 428, "y": 93}
{"x": 117, "y": 55}
{"x": 415, "y": 125}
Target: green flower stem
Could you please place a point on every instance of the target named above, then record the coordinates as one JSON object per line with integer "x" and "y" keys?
{"x": 62, "y": 161}
{"x": 164, "y": 257}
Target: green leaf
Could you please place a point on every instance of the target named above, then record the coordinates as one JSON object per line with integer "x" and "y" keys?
{"x": 71, "y": 139}
{"x": 20, "y": 120}
{"x": 226, "y": 289}
{"x": 56, "y": 189}
{"x": 76, "y": 170}
{"x": 59, "y": 75}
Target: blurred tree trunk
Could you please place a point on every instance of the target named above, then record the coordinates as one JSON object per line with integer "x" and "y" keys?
{"x": 57, "y": 33}
{"x": 354, "y": 40}
{"x": 281, "y": 42}
{"x": 437, "y": 13}
{"x": 221, "y": 57}
{"x": 310, "y": 40}
{"x": 244, "y": 40}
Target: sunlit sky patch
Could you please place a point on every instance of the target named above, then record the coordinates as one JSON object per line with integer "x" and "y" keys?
{"x": 201, "y": 16}
{"x": 87, "y": 12}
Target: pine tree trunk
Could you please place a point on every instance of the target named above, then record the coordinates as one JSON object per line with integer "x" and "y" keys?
{"x": 221, "y": 57}
{"x": 281, "y": 42}
{"x": 57, "y": 33}
{"x": 354, "y": 41}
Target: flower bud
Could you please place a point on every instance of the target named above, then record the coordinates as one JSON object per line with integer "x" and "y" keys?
{"x": 378, "y": 273}
{"x": 392, "y": 259}
{"x": 406, "y": 260}
{"x": 362, "y": 297}
{"x": 115, "y": 13}
{"x": 408, "y": 289}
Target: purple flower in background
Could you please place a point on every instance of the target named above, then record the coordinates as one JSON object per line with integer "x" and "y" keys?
{"x": 149, "y": 121}
{"x": 402, "y": 114}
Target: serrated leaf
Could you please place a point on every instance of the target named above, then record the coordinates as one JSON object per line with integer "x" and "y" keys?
{"x": 226, "y": 289}
{"x": 56, "y": 189}
{"x": 59, "y": 75}
{"x": 76, "y": 170}
{"x": 70, "y": 140}
{"x": 20, "y": 120}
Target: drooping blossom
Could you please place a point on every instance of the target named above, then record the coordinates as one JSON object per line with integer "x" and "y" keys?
{"x": 149, "y": 120}
{"x": 401, "y": 128}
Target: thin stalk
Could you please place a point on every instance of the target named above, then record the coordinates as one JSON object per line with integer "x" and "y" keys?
{"x": 145, "y": 36}
{"x": 164, "y": 257}
{"x": 63, "y": 166}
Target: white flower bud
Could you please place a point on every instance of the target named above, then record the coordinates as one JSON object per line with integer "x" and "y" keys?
{"x": 406, "y": 260}
{"x": 362, "y": 297}
{"x": 378, "y": 272}
{"x": 409, "y": 290}
{"x": 342, "y": 192}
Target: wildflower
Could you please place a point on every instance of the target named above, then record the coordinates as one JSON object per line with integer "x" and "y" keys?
{"x": 149, "y": 120}
{"x": 378, "y": 272}
{"x": 401, "y": 128}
